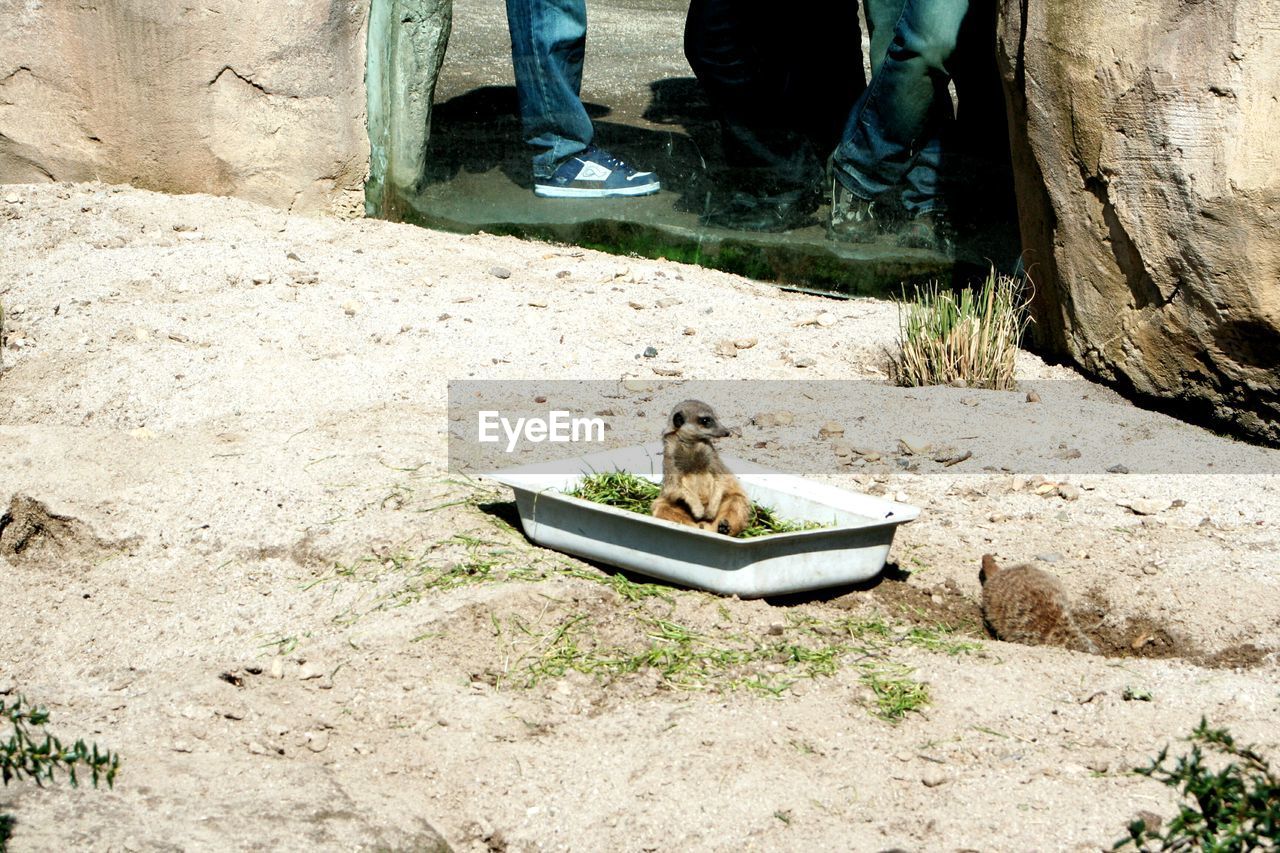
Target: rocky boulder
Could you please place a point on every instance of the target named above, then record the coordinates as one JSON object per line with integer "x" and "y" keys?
{"x": 265, "y": 101}
{"x": 1146, "y": 141}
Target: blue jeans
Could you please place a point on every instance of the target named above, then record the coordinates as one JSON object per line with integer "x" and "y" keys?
{"x": 548, "y": 42}
{"x": 893, "y": 139}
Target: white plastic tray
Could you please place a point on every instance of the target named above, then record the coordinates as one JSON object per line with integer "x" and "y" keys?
{"x": 855, "y": 549}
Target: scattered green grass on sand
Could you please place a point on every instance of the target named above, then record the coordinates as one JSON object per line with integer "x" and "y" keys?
{"x": 647, "y": 634}
{"x": 722, "y": 659}
{"x": 624, "y": 490}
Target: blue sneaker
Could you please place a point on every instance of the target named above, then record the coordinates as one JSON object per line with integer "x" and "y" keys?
{"x": 595, "y": 174}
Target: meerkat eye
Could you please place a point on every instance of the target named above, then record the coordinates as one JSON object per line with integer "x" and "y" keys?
{"x": 704, "y": 421}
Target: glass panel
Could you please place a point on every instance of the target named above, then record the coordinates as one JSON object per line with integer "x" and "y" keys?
{"x": 728, "y": 200}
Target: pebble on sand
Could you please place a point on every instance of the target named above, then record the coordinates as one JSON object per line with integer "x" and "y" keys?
{"x": 1143, "y": 506}
{"x": 933, "y": 777}
{"x": 824, "y": 319}
{"x": 830, "y": 429}
{"x": 774, "y": 419}
{"x": 310, "y": 670}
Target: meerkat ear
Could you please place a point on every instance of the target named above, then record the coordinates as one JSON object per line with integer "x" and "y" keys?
{"x": 677, "y": 420}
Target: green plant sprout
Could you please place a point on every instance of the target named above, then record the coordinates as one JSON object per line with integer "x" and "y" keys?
{"x": 1233, "y": 809}
{"x": 23, "y": 756}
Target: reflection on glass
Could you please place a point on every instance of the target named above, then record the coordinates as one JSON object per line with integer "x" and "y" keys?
{"x": 735, "y": 109}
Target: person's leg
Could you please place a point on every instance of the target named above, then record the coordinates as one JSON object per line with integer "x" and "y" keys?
{"x": 882, "y": 17}
{"x": 821, "y": 65}
{"x": 922, "y": 183}
{"x": 548, "y": 42}
{"x": 781, "y": 92}
{"x": 894, "y": 120}
{"x": 770, "y": 161}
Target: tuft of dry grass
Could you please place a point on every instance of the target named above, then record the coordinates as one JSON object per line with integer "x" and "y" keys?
{"x": 968, "y": 338}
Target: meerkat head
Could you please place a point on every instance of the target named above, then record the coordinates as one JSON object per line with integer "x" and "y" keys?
{"x": 989, "y": 568}
{"x": 694, "y": 420}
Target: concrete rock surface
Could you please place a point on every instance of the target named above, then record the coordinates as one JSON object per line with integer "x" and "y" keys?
{"x": 1146, "y": 151}
{"x": 262, "y": 101}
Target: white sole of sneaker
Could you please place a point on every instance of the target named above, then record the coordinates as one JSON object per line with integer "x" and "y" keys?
{"x": 576, "y": 192}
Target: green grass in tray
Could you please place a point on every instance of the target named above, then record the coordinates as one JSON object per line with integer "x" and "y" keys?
{"x": 625, "y": 490}
{"x": 619, "y": 489}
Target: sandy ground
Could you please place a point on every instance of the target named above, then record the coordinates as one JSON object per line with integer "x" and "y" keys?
{"x": 238, "y": 558}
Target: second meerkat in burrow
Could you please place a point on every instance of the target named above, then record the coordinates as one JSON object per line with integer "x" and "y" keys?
{"x": 1023, "y": 604}
{"x": 697, "y": 489}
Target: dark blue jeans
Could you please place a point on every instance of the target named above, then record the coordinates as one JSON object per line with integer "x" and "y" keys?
{"x": 548, "y": 42}
{"x": 893, "y": 139}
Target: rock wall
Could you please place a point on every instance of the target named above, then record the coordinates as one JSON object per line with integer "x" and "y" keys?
{"x": 265, "y": 101}
{"x": 1146, "y": 143}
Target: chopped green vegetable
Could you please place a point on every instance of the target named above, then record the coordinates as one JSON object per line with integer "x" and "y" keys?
{"x": 624, "y": 490}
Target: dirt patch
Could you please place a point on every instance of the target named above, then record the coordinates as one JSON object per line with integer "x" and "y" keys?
{"x": 32, "y": 535}
{"x": 1239, "y": 656}
{"x": 939, "y": 605}
{"x": 1138, "y": 636}
{"x": 1134, "y": 636}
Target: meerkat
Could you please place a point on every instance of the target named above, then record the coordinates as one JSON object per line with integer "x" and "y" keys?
{"x": 697, "y": 489}
{"x": 1023, "y": 604}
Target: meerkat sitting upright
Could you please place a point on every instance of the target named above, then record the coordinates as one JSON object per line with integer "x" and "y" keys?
{"x": 1023, "y": 604}
{"x": 696, "y": 487}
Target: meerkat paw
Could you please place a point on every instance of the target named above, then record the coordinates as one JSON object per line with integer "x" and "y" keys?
{"x": 734, "y": 515}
